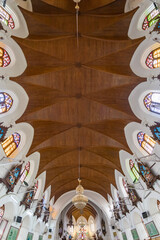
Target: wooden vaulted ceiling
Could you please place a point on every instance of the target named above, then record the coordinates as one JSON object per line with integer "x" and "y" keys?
{"x": 87, "y": 212}
{"x": 78, "y": 96}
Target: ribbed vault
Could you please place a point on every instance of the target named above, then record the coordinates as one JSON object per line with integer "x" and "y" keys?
{"x": 78, "y": 96}
{"x": 87, "y": 212}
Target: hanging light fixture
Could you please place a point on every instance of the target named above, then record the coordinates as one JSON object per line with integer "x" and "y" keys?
{"x": 77, "y": 6}
{"x": 79, "y": 200}
{"x": 77, "y": 14}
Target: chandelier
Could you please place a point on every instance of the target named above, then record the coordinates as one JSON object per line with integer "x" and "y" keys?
{"x": 77, "y": 6}
{"x": 79, "y": 200}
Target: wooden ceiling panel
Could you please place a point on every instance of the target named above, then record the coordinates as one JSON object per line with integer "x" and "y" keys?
{"x": 87, "y": 212}
{"x": 78, "y": 95}
{"x": 114, "y": 8}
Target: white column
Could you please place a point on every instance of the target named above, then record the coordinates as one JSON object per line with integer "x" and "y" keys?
{"x": 6, "y": 230}
{"x": 156, "y": 219}
{"x": 129, "y": 234}
{"x": 22, "y": 233}
{"x": 36, "y": 236}
{"x": 141, "y": 231}
{"x": 119, "y": 234}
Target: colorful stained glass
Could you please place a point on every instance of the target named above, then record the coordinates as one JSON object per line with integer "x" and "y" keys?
{"x": 152, "y": 102}
{"x": 134, "y": 170}
{"x": 153, "y": 59}
{"x": 155, "y": 129}
{"x": 6, "y": 102}
{"x": 11, "y": 143}
{"x": 4, "y": 58}
{"x": 25, "y": 172}
{"x": 150, "y": 19}
{"x": 146, "y": 142}
{"x": 1, "y": 133}
{"x": 146, "y": 175}
{"x": 6, "y": 18}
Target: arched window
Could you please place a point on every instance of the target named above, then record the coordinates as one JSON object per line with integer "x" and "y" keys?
{"x": 11, "y": 144}
{"x": 134, "y": 170}
{"x": 6, "y": 102}
{"x": 153, "y": 59}
{"x": 152, "y": 102}
{"x": 25, "y": 172}
{"x": 6, "y": 18}
{"x": 150, "y": 19}
{"x": 4, "y": 58}
{"x": 2, "y": 209}
{"x": 146, "y": 142}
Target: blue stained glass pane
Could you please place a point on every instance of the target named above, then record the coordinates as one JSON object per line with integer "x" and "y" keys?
{"x": 16, "y": 137}
{"x": 140, "y": 137}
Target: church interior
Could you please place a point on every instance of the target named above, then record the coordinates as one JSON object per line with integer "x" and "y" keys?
{"x": 80, "y": 119}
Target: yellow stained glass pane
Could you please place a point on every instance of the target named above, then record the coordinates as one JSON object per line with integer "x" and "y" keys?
{"x": 156, "y": 53}
{"x": 149, "y": 140}
{"x": 7, "y": 142}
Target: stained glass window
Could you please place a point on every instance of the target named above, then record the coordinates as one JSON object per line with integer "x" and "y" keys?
{"x": 153, "y": 59}
{"x": 2, "y": 209}
{"x": 4, "y": 58}
{"x": 25, "y": 172}
{"x": 155, "y": 129}
{"x": 150, "y": 19}
{"x": 147, "y": 175}
{"x": 6, "y": 18}
{"x": 2, "y": 132}
{"x": 134, "y": 170}
{"x": 11, "y": 143}
{"x": 6, "y": 102}
{"x": 152, "y": 102}
{"x": 146, "y": 142}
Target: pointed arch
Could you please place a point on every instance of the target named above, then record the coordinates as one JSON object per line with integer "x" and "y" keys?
{"x": 153, "y": 59}
{"x": 6, "y": 18}
{"x": 152, "y": 102}
{"x": 11, "y": 143}
{"x": 5, "y": 59}
{"x": 13, "y": 20}
{"x": 25, "y": 172}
